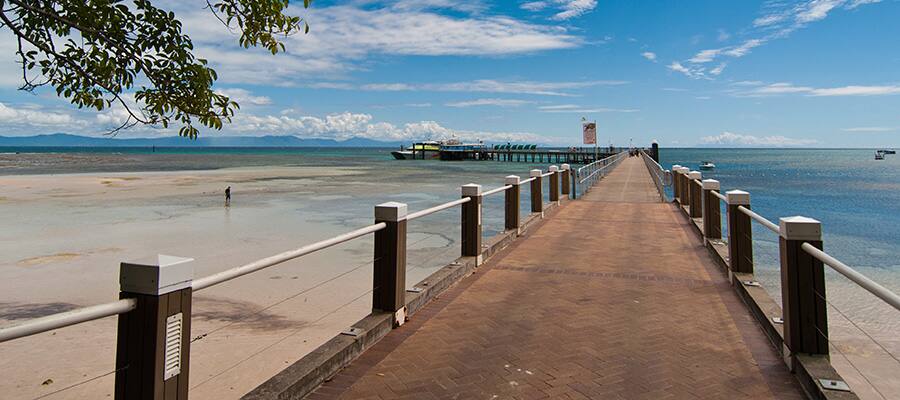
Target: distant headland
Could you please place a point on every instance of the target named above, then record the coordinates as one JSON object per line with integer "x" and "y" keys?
{"x": 69, "y": 140}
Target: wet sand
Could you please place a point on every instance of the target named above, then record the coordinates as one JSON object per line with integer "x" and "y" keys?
{"x": 64, "y": 236}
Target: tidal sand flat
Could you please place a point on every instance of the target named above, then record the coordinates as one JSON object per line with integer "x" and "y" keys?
{"x": 65, "y": 234}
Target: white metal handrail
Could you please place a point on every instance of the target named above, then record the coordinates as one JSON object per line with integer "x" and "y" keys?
{"x": 527, "y": 180}
{"x": 762, "y": 220}
{"x": 546, "y": 175}
{"x": 227, "y": 275}
{"x": 64, "y": 319}
{"x": 497, "y": 190}
{"x": 869, "y": 285}
{"x": 720, "y": 196}
{"x": 441, "y": 207}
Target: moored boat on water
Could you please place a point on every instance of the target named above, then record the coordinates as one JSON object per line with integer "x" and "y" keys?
{"x": 879, "y": 155}
{"x": 887, "y": 151}
{"x": 707, "y": 165}
{"x": 419, "y": 150}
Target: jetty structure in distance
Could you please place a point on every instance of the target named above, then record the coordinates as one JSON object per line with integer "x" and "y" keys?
{"x": 608, "y": 288}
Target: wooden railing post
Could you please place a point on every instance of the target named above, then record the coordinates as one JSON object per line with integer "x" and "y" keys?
{"x": 740, "y": 233}
{"x": 512, "y": 203}
{"x": 693, "y": 182}
{"x": 471, "y": 222}
{"x": 712, "y": 214}
{"x": 389, "y": 281}
{"x": 676, "y": 182}
{"x": 554, "y": 184}
{"x": 802, "y": 287}
{"x": 154, "y": 340}
{"x": 537, "y": 197}
{"x": 566, "y": 172}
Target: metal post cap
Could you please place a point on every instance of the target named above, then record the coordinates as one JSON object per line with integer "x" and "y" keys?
{"x": 738, "y": 197}
{"x": 553, "y": 168}
{"x": 536, "y": 173}
{"x": 512, "y": 180}
{"x": 156, "y": 275}
{"x": 694, "y": 174}
{"x": 565, "y": 167}
{"x": 471, "y": 189}
{"x": 391, "y": 211}
{"x": 800, "y": 228}
{"x": 710, "y": 184}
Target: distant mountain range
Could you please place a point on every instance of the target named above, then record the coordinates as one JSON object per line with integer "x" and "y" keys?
{"x": 68, "y": 140}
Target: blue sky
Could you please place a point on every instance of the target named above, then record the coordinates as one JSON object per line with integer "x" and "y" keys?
{"x": 811, "y": 73}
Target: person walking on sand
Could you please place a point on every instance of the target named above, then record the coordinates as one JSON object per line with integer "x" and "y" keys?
{"x": 228, "y": 196}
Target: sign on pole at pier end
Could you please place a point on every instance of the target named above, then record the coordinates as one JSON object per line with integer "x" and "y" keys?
{"x": 590, "y": 132}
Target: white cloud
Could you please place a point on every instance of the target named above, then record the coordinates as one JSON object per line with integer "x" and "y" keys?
{"x": 789, "y": 88}
{"x": 418, "y": 104}
{"x": 31, "y": 115}
{"x": 723, "y": 35}
{"x": 739, "y": 140}
{"x": 534, "y": 5}
{"x": 691, "y": 72}
{"x": 243, "y": 97}
{"x": 649, "y": 55}
{"x": 489, "y": 102}
{"x": 574, "y": 8}
{"x": 341, "y": 36}
{"x": 779, "y": 20}
{"x": 718, "y": 70}
{"x": 493, "y": 86}
{"x": 563, "y": 9}
{"x": 871, "y": 129}
{"x": 577, "y": 109}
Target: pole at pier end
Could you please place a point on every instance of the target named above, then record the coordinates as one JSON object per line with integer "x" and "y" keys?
{"x": 802, "y": 288}
{"x": 154, "y": 339}
{"x": 471, "y": 222}
{"x": 537, "y": 197}
{"x": 512, "y": 203}
{"x": 389, "y": 279}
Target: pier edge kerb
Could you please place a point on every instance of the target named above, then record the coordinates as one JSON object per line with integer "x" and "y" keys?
{"x": 391, "y": 211}
{"x": 710, "y": 184}
{"x": 738, "y": 197}
{"x": 800, "y": 228}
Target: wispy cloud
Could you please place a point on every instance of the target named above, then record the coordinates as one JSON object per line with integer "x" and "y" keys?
{"x": 872, "y": 129}
{"x": 578, "y": 109}
{"x": 489, "y": 102}
{"x": 784, "y": 88}
{"x": 563, "y": 9}
{"x": 244, "y": 97}
{"x": 483, "y": 86}
{"x": 778, "y": 20}
{"x": 649, "y": 55}
{"x": 739, "y": 140}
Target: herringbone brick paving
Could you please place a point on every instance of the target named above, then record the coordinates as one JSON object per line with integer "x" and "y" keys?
{"x": 611, "y": 298}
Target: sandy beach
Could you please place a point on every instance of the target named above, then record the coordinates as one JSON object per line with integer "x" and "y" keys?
{"x": 65, "y": 235}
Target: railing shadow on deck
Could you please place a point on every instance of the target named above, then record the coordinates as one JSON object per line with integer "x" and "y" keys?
{"x": 154, "y": 310}
{"x": 798, "y": 327}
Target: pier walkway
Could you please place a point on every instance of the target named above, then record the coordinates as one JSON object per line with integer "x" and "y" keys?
{"x": 628, "y": 304}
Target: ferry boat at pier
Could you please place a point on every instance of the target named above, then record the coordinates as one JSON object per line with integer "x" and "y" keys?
{"x": 419, "y": 150}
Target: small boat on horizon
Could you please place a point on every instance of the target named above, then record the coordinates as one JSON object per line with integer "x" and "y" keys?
{"x": 888, "y": 151}
{"x": 879, "y": 155}
{"x": 707, "y": 165}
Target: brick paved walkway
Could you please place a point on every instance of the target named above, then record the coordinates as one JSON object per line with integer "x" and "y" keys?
{"x": 612, "y": 297}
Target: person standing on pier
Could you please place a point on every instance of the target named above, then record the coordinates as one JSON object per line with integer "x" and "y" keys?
{"x": 228, "y": 196}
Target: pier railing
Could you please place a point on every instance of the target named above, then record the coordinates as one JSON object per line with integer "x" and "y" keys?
{"x": 661, "y": 177}
{"x": 588, "y": 175}
{"x": 154, "y": 326}
{"x": 803, "y": 313}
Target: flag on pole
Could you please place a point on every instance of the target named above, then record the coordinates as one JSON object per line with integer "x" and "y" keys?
{"x": 589, "y": 130}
